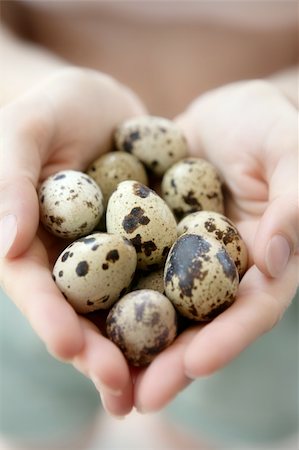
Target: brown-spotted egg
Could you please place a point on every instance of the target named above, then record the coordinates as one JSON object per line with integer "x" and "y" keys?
{"x": 71, "y": 204}
{"x": 112, "y": 168}
{"x": 139, "y": 214}
{"x": 200, "y": 277}
{"x": 142, "y": 324}
{"x": 190, "y": 185}
{"x": 95, "y": 271}
{"x": 157, "y": 142}
{"x": 222, "y": 229}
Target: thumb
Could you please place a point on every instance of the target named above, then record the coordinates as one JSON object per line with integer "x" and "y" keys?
{"x": 188, "y": 123}
{"x": 18, "y": 215}
{"x": 277, "y": 236}
{"x": 19, "y": 173}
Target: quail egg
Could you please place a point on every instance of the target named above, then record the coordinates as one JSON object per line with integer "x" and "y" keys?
{"x": 95, "y": 271}
{"x": 222, "y": 229}
{"x": 190, "y": 185}
{"x": 156, "y": 141}
{"x": 71, "y": 204}
{"x": 142, "y": 324}
{"x": 139, "y": 214}
{"x": 114, "y": 167}
{"x": 152, "y": 280}
{"x": 200, "y": 277}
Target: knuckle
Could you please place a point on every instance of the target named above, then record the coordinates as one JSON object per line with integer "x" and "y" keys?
{"x": 29, "y": 119}
{"x": 273, "y": 308}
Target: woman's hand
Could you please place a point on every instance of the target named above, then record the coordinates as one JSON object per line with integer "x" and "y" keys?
{"x": 65, "y": 122}
{"x": 248, "y": 130}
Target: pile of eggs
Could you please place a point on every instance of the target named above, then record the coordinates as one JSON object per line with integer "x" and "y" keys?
{"x": 148, "y": 259}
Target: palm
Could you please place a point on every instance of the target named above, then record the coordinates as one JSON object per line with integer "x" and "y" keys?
{"x": 237, "y": 129}
{"x": 74, "y": 125}
{"x": 64, "y": 123}
{"x": 255, "y": 310}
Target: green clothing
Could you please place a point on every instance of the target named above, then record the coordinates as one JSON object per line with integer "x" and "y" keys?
{"x": 40, "y": 397}
{"x": 253, "y": 399}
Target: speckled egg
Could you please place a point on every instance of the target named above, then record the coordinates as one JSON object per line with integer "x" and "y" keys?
{"x": 114, "y": 167}
{"x": 152, "y": 280}
{"x": 95, "y": 271}
{"x": 200, "y": 277}
{"x": 139, "y": 214}
{"x": 156, "y": 141}
{"x": 142, "y": 324}
{"x": 190, "y": 185}
{"x": 222, "y": 229}
{"x": 71, "y": 204}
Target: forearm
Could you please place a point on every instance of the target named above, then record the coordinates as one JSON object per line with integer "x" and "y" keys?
{"x": 287, "y": 82}
{"x": 23, "y": 65}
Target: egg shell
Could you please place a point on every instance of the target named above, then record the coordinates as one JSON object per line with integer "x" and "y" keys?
{"x": 71, "y": 204}
{"x": 114, "y": 167}
{"x": 139, "y": 214}
{"x": 156, "y": 141}
{"x": 190, "y": 185}
{"x": 152, "y": 280}
{"x": 200, "y": 277}
{"x": 142, "y": 324}
{"x": 95, "y": 271}
{"x": 221, "y": 228}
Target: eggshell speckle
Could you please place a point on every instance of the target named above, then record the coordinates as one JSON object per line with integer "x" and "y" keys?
{"x": 114, "y": 167}
{"x": 139, "y": 214}
{"x": 71, "y": 204}
{"x": 222, "y": 229}
{"x": 95, "y": 271}
{"x": 200, "y": 278}
{"x": 190, "y": 185}
{"x": 156, "y": 141}
{"x": 142, "y": 324}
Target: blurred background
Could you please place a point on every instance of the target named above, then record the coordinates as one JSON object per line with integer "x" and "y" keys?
{"x": 252, "y": 403}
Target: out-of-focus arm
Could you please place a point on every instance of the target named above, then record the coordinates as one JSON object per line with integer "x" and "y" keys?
{"x": 22, "y": 65}
{"x": 288, "y": 82}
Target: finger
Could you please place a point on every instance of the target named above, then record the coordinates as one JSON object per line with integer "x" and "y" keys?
{"x": 93, "y": 104}
{"x": 36, "y": 295}
{"x": 64, "y": 122}
{"x": 259, "y": 307}
{"x": 19, "y": 173}
{"x": 277, "y": 236}
{"x": 19, "y": 215}
{"x": 106, "y": 366}
{"x": 117, "y": 406}
{"x": 187, "y": 121}
{"x": 161, "y": 381}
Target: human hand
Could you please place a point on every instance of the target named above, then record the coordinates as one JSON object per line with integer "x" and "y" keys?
{"x": 64, "y": 123}
{"x": 248, "y": 131}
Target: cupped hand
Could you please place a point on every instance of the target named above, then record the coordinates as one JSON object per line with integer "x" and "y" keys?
{"x": 248, "y": 130}
{"x": 65, "y": 122}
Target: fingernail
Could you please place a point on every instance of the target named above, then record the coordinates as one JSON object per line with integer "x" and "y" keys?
{"x": 8, "y": 232}
{"x": 143, "y": 410}
{"x": 100, "y": 386}
{"x": 277, "y": 255}
{"x": 190, "y": 375}
{"x": 114, "y": 416}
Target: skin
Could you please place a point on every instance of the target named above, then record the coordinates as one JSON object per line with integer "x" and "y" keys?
{"x": 247, "y": 129}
